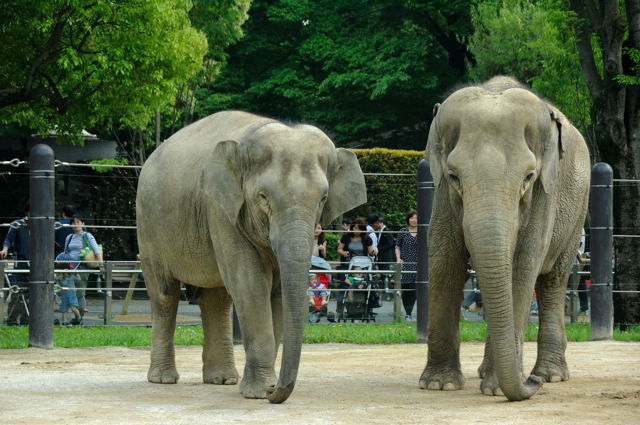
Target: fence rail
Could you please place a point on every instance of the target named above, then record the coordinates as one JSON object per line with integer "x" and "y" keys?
{"x": 43, "y": 220}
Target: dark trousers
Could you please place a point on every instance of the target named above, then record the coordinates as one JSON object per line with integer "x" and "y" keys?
{"x": 408, "y": 297}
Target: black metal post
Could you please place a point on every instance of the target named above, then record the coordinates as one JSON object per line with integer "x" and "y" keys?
{"x": 601, "y": 234}
{"x": 41, "y": 246}
{"x": 425, "y": 204}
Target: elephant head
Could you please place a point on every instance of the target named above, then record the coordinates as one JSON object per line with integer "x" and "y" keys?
{"x": 276, "y": 186}
{"x": 494, "y": 151}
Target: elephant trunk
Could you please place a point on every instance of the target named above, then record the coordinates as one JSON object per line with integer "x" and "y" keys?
{"x": 293, "y": 251}
{"x": 490, "y": 238}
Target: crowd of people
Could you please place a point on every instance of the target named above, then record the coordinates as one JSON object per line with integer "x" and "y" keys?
{"x": 370, "y": 237}
{"x": 73, "y": 247}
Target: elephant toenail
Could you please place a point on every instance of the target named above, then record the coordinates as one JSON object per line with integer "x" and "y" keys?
{"x": 434, "y": 385}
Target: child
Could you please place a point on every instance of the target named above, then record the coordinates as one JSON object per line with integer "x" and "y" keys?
{"x": 316, "y": 289}
{"x": 355, "y": 280}
{"x": 68, "y": 298}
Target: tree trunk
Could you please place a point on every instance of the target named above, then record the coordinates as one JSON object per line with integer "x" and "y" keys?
{"x": 616, "y": 117}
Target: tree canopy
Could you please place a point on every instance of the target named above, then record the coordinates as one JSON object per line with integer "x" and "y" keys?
{"x": 534, "y": 42}
{"x": 353, "y": 67}
{"x": 70, "y": 64}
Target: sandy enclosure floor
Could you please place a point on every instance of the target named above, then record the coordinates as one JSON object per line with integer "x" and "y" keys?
{"x": 337, "y": 384}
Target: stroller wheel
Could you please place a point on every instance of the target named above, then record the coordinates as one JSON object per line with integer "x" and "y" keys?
{"x": 331, "y": 316}
{"x": 314, "y": 318}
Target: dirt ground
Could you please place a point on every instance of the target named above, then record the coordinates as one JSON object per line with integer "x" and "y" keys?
{"x": 337, "y": 384}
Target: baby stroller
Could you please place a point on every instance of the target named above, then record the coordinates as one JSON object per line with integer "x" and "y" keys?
{"x": 359, "y": 303}
{"x": 319, "y": 296}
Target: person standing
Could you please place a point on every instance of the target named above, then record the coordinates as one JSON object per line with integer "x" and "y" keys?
{"x": 386, "y": 243}
{"x": 386, "y": 250}
{"x": 320, "y": 244}
{"x": 61, "y": 234}
{"x": 73, "y": 246}
{"x": 18, "y": 239}
{"x": 407, "y": 255}
{"x": 371, "y": 219}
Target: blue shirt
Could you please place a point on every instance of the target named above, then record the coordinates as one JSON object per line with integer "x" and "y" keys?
{"x": 61, "y": 235}
{"x": 75, "y": 242}
{"x": 19, "y": 240}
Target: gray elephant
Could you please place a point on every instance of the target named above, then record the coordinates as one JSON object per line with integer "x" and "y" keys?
{"x": 511, "y": 178}
{"x": 229, "y": 204}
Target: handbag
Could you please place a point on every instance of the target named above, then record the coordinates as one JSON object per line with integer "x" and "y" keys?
{"x": 87, "y": 254}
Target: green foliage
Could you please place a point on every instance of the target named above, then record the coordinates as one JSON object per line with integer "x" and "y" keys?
{"x": 109, "y": 161}
{"x": 534, "y": 42}
{"x": 634, "y": 79}
{"x": 353, "y": 67}
{"x": 390, "y": 196}
{"x": 352, "y": 333}
{"x": 332, "y": 246}
{"x": 71, "y": 64}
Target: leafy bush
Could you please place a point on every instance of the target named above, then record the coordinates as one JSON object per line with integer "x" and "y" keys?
{"x": 390, "y": 196}
{"x": 332, "y": 245}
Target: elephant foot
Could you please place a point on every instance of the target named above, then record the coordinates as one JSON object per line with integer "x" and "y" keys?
{"x": 445, "y": 380}
{"x": 162, "y": 375}
{"x": 551, "y": 373}
{"x": 220, "y": 376}
{"x": 482, "y": 369}
{"x": 489, "y": 384}
{"x": 254, "y": 389}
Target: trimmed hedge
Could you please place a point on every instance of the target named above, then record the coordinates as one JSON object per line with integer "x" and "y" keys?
{"x": 390, "y": 196}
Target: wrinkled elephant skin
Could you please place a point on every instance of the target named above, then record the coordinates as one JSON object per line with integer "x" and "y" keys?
{"x": 229, "y": 205}
{"x": 512, "y": 184}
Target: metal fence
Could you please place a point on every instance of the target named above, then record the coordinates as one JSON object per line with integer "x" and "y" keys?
{"x": 600, "y": 233}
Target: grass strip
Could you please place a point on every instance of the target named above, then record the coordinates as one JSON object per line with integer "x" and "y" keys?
{"x": 353, "y": 333}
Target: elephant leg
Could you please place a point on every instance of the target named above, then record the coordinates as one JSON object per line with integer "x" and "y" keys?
{"x": 164, "y": 294}
{"x": 447, "y": 271}
{"x": 551, "y": 364}
{"x": 217, "y": 354}
{"x": 260, "y": 348}
{"x": 248, "y": 278}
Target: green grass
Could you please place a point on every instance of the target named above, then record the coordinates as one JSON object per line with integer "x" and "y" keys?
{"x": 355, "y": 333}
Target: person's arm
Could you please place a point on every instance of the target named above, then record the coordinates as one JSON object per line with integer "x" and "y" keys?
{"x": 341, "y": 250}
{"x": 372, "y": 251}
{"x": 398, "y": 259}
{"x": 96, "y": 249}
{"x": 8, "y": 241}
{"x": 323, "y": 249}
{"x": 399, "y": 241}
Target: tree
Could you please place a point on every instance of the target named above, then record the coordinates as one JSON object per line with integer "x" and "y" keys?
{"x": 534, "y": 42}
{"x": 609, "y": 31}
{"x": 70, "y": 64}
{"x": 356, "y": 68}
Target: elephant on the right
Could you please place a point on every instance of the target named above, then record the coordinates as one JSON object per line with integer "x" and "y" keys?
{"x": 511, "y": 177}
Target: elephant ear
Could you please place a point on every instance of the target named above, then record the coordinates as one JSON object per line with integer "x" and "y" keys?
{"x": 552, "y": 152}
{"x": 433, "y": 153}
{"x": 347, "y": 189}
{"x": 223, "y": 179}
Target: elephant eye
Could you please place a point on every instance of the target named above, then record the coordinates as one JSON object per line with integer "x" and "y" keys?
{"x": 453, "y": 177}
{"x": 262, "y": 196}
{"x": 530, "y": 176}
